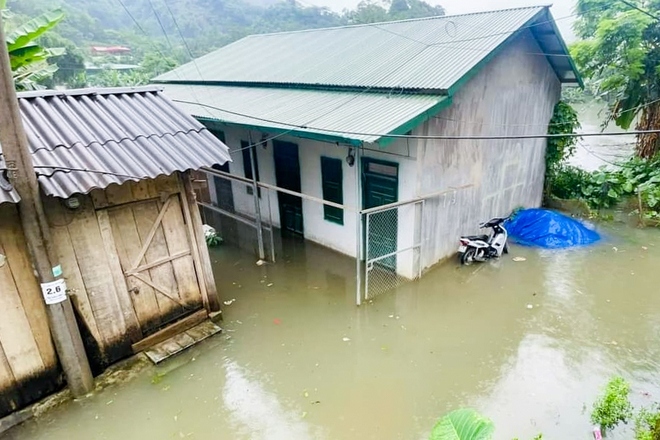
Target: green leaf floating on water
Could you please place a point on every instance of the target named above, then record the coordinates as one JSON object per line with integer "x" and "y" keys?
{"x": 463, "y": 424}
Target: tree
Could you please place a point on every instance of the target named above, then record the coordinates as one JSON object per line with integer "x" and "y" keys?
{"x": 620, "y": 52}
{"x": 407, "y": 9}
{"x": 70, "y": 65}
{"x": 367, "y": 11}
{"x": 154, "y": 64}
{"x": 29, "y": 60}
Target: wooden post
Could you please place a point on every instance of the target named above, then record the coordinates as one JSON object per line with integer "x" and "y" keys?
{"x": 63, "y": 327}
{"x": 255, "y": 195}
{"x": 199, "y": 246}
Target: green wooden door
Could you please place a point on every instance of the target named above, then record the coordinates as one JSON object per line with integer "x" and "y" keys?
{"x": 381, "y": 187}
{"x": 287, "y": 175}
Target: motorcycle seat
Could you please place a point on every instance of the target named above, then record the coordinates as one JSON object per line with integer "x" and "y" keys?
{"x": 477, "y": 237}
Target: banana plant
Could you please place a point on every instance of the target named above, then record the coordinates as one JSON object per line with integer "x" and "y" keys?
{"x": 29, "y": 60}
{"x": 463, "y": 424}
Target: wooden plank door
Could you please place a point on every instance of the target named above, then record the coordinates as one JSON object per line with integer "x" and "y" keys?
{"x": 287, "y": 175}
{"x": 154, "y": 247}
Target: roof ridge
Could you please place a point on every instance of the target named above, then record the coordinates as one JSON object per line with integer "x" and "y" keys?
{"x": 408, "y": 20}
{"x": 47, "y": 93}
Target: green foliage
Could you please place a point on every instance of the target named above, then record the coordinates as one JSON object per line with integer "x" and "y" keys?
{"x": 116, "y": 78}
{"x": 647, "y": 423}
{"x": 371, "y": 11}
{"x": 176, "y": 31}
{"x": 70, "y": 65}
{"x": 564, "y": 120}
{"x": 212, "y": 237}
{"x": 604, "y": 188}
{"x": 620, "y": 53}
{"x": 214, "y": 240}
{"x": 613, "y": 407}
{"x": 463, "y": 424}
{"x": 560, "y": 149}
{"x": 155, "y": 64}
{"x": 29, "y": 60}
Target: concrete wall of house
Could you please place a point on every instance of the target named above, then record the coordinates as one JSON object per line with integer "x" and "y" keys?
{"x": 514, "y": 94}
{"x": 341, "y": 238}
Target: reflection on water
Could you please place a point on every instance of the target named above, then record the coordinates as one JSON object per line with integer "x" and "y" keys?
{"x": 257, "y": 413}
{"x": 298, "y": 360}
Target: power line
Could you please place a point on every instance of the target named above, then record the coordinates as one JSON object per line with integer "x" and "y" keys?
{"x": 412, "y": 136}
{"x": 160, "y": 23}
{"x": 185, "y": 43}
{"x": 643, "y": 11}
{"x": 508, "y": 32}
{"x": 84, "y": 170}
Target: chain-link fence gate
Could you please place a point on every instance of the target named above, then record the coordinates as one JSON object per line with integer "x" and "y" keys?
{"x": 393, "y": 237}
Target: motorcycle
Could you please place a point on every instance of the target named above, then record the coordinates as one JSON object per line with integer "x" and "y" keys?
{"x": 484, "y": 247}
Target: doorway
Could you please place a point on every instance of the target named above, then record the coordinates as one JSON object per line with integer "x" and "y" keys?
{"x": 287, "y": 176}
{"x": 223, "y": 189}
{"x": 381, "y": 187}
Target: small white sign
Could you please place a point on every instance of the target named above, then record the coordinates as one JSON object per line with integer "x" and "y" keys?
{"x": 54, "y": 292}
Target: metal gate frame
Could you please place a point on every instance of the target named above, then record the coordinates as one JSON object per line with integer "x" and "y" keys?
{"x": 375, "y": 286}
{"x": 257, "y": 223}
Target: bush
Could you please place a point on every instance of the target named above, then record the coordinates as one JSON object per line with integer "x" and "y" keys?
{"x": 647, "y": 424}
{"x": 604, "y": 188}
{"x": 613, "y": 407}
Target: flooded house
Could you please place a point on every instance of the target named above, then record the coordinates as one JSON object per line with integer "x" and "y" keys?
{"x": 387, "y": 141}
{"x": 114, "y": 170}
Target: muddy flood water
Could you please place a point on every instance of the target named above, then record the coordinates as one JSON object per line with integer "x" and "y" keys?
{"x": 298, "y": 360}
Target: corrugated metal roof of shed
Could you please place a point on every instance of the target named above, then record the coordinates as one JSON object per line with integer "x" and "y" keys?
{"x": 309, "y": 113}
{"x": 385, "y": 55}
{"x": 86, "y": 139}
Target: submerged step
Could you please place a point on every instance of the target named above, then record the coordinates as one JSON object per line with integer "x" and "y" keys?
{"x": 176, "y": 344}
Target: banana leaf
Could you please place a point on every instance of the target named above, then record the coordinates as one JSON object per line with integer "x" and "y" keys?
{"x": 463, "y": 424}
{"x": 28, "y": 32}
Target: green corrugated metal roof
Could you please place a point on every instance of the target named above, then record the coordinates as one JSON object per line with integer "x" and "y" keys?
{"x": 317, "y": 111}
{"x": 430, "y": 54}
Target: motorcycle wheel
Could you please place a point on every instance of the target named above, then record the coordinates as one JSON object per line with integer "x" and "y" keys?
{"x": 468, "y": 257}
{"x": 506, "y": 249}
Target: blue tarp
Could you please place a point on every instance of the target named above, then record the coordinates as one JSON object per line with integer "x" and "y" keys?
{"x": 549, "y": 230}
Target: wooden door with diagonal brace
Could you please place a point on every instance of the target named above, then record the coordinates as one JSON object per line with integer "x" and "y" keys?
{"x": 155, "y": 251}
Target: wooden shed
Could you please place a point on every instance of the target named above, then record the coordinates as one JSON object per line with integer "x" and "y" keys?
{"x": 29, "y": 368}
{"x": 114, "y": 169}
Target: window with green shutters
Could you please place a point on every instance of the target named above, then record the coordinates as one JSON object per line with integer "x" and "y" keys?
{"x": 333, "y": 188}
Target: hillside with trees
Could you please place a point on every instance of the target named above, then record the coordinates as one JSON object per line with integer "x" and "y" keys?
{"x": 163, "y": 33}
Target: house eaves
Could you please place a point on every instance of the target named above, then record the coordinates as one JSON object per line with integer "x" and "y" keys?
{"x": 350, "y": 118}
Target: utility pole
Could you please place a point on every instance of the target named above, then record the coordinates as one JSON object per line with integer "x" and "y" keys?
{"x": 63, "y": 327}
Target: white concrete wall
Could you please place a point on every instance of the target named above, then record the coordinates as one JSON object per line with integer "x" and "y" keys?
{"x": 341, "y": 238}
{"x": 514, "y": 94}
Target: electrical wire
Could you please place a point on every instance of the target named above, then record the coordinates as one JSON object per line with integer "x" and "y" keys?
{"x": 378, "y": 26}
{"x": 643, "y": 11}
{"x": 412, "y": 136}
{"x": 185, "y": 43}
{"x": 83, "y": 170}
{"x": 160, "y": 23}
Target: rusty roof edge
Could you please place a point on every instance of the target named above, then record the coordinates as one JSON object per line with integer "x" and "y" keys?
{"x": 90, "y": 91}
